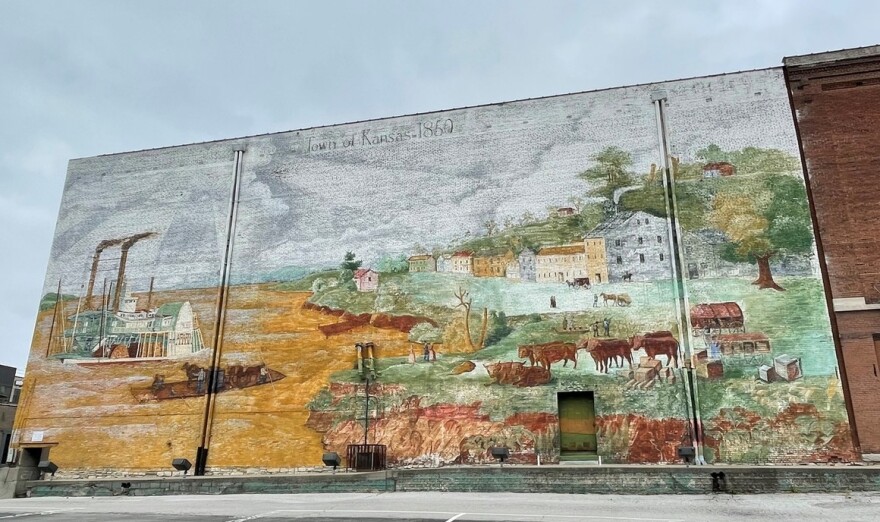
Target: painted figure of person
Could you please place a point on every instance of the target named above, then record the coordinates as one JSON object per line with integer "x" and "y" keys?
{"x": 564, "y": 323}
{"x": 158, "y": 382}
{"x": 606, "y": 325}
{"x": 433, "y": 353}
{"x": 596, "y": 329}
{"x": 200, "y": 381}
{"x": 595, "y": 300}
{"x": 412, "y": 354}
{"x": 714, "y": 348}
{"x": 426, "y": 353}
{"x": 264, "y": 374}
{"x": 552, "y": 301}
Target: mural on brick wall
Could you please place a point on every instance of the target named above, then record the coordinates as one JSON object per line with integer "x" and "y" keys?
{"x": 476, "y": 272}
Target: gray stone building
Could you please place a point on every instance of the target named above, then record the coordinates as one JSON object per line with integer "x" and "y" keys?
{"x": 636, "y": 246}
{"x": 527, "y": 259}
{"x": 702, "y": 256}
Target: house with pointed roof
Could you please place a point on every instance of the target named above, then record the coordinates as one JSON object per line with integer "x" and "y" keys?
{"x": 366, "y": 279}
{"x": 462, "y": 262}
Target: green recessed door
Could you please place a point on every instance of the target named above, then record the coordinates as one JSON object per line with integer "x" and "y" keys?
{"x": 577, "y": 423}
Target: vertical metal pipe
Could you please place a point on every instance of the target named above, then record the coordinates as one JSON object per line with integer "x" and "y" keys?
{"x": 366, "y": 410}
{"x": 222, "y": 297}
{"x": 676, "y": 251}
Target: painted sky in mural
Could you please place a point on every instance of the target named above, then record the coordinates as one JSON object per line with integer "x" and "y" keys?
{"x": 498, "y": 162}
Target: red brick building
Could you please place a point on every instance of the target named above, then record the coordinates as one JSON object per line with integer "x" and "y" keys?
{"x": 836, "y": 104}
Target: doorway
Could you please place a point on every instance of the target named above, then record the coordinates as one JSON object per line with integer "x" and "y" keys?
{"x": 577, "y": 426}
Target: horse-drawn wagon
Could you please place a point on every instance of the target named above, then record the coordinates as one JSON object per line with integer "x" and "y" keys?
{"x": 717, "y": 317}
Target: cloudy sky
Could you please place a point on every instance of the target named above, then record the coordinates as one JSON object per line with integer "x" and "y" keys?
{"x": 83, "y": 78}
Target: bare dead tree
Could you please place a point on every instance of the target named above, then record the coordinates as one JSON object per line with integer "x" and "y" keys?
{"x": 466, "y": 301}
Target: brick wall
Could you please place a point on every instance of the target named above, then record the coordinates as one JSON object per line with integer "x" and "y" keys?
{"x": 836, "y": 100}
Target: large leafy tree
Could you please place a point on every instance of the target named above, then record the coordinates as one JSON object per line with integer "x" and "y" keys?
{"x": 750, "y": 159}
{"x": 612, "y": 169}
{"x": 763, "y": 217}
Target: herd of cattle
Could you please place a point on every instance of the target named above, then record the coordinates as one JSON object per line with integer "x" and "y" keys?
{"x": 604, "y": 352}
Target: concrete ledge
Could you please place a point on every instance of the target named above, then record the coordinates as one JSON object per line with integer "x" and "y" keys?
{"x": 853, "y": 304}
{"x": 636, "y": 480}
{"x": 324, "y": 483}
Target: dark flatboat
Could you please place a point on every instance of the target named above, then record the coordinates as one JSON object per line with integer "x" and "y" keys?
{"x": 230, "y": 378}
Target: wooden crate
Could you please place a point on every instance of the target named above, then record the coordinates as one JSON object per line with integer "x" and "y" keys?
{"x": 645, "y": 374}
{"x": 710, "y": 369}
{"x": 767, "y": 373}
{"x": 788, "y": 368}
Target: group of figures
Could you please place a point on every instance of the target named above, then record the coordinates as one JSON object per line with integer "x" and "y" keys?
{"x": 568, "y": 325}
{"x": 429, "y": 353}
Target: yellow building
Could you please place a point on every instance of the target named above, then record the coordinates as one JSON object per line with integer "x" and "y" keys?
{"x": 422, "y": 263}
{"x": 492, "y": 266}
{"x": 557, "y": 264}
{"x": 597, "y": 262}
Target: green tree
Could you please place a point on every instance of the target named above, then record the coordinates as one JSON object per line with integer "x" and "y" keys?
{"x": 349, "y": 264}
{"x": 498, "y": 328}
{"x": 763, "y": 217}
{"x": 750, "y": 160}
{"x": 393, "y": 264}
{"x": 612, "y": 169}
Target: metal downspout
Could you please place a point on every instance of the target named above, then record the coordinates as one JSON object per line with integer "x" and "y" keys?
{"x": 676, "y": 250}
{"x": 222, "y": 298}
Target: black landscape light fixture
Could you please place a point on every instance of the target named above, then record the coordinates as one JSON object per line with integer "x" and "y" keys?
{"x": 719, "y": 482}
{"x": 181, "y": 465}
{"x": 331, "y": 458}
{"x": 687, "y": 454}
{"x": 47, "y": 466}
{"x": 500, "y": 454}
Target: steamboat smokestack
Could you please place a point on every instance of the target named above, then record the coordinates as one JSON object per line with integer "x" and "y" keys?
{"x": 120, "y": 278}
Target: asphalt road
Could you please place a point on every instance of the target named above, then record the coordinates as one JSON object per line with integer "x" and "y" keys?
{"x": 448, "y": 507}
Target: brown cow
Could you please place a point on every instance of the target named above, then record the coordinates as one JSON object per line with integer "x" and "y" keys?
{"x": 603, "y": 351}
{"x": 517, "y": 374}
{"x": 655, "y": 345}
{"x": 549, "y": 353}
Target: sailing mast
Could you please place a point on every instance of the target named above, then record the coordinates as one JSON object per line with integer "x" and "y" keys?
{"x": 54, "y": 317}
{"x": 67, "y": 349}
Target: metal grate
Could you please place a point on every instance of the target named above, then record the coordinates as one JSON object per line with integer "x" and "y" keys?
{"x": 365, "y": 457}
